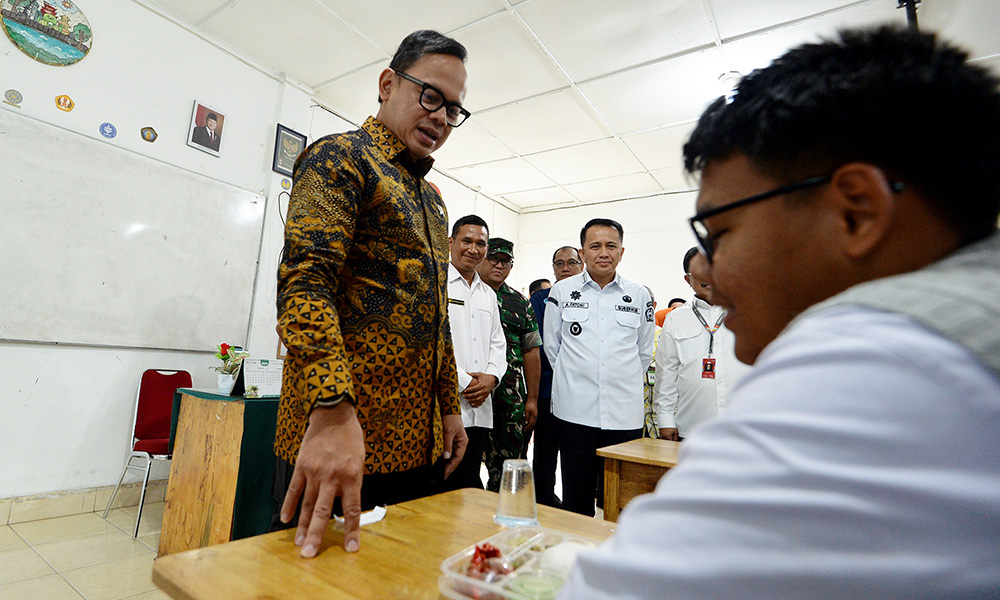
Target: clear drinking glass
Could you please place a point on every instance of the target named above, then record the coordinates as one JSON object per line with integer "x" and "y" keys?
{"x": 516, "y": 505}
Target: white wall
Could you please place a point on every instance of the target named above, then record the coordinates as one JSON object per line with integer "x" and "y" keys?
{"x": 656, "y": 237}
{"x": 65, "y": 411}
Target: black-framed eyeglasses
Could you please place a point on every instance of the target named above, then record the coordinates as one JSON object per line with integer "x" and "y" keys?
{"x": 705, "y": 240}
{"x": 432, "y": 99}
{"x": 503, "y": 262}
{"x": 566, "y": 263}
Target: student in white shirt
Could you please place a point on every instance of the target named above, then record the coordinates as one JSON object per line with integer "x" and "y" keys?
{"x": 480, "y": 347}
{"x": 695, "y": 364}
{"x": 599, "y": 335}
{"x": 847, "y": 213}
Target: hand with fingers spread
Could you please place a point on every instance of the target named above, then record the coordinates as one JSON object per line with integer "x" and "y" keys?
{"x": 330, "y": 465}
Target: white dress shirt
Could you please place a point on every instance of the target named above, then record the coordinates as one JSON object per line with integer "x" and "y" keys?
{"x": 599, "y": 343}
{"x": 478, "y": 339}
{"x": 682, "y": 397}
{"x": 860, "y": 458}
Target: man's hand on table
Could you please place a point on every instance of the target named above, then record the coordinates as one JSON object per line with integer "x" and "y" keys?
{"x": 455, "y": 441}
{"x": 330, "y": 465}
{"x": 668, "y": 433}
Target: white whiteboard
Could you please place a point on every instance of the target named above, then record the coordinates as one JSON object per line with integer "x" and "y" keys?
{"x": 102, "y": 246}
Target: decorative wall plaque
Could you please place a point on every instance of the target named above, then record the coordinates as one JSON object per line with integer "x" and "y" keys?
{"x": 54, "y": 33}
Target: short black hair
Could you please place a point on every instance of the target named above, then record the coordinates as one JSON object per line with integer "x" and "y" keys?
{"x": 681, "y": 300}
{"x": 537, "y": 285}
{"x": 561, "y": 248}
{"x": 687, "y": 259}
{"x": 420, "y": 43}
{"x": 605, "y": 223}
{"x": 469, "y": 220}
{"x": 211, "y": 116}
{"x": 898, "y": 99}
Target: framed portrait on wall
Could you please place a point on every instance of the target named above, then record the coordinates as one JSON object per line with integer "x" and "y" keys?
{"x": 288, "y": 145}
{"x": 206, "y": 130}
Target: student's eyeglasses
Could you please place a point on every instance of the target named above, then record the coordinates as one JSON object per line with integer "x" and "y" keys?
{"x": 503, "y": 262}
{"x": 705, "y": 239}
{"x": 432, "y": 99}
{"x": 566, "y": 263}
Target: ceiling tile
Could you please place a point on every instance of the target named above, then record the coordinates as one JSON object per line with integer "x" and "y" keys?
{"x": 962, "y": 22}
{"x": 370, "y": 16}
{"x": 614, "y": 188}
{"x": 191, "y": 11}
{"x": 551, "y": 196}
{"x": 356, "y": 95}
{"x": 660, "y": 148}
{"x": 675, "y": 179}
{"x": 664, "y": 93}
{"x": 274, "y": 38}
{"x": 470, "y": 144}
{"x": 585, "y": 162}
{"x": 545, "y": 122}
{"x": 595, "y": 37}
{"x": 758, "y": 51}
{"x": 735, "y": 17}
{"x": 505, "y": 64}
{"x": 503, "y": 176}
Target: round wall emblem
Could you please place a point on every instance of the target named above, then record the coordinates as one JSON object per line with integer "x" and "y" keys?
{"x": 13, "y": 97}
{"x": 64, "y": 103}
{"x": 108, "y": 130}
{"x": 148, "y": 134}
{"x": 54, "y": 33}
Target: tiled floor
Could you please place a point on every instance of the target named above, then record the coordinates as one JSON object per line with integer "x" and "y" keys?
{"x": 82, "y": 557}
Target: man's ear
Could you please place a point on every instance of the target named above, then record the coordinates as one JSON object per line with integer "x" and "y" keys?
{"x": 866, "y": 207}
{"x": 385, "y": 83}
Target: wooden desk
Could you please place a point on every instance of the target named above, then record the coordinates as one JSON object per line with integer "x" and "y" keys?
{"x": 400, "y": 556}
{"x": 222, "y": 470}
{"x": 633, "y": 468}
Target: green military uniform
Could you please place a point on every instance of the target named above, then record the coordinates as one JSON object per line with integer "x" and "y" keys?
{"x": 520, "y": 329}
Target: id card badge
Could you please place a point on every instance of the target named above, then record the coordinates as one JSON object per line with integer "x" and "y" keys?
{"x": 708, "y": 368}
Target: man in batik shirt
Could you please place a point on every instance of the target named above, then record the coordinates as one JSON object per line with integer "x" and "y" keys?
{"x": 369, "y": 399}
{"x": 515, "y": 404}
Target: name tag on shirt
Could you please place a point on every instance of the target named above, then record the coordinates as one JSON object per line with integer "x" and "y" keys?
{"x": 456, "y": 301}
{"x": 708, "y": 368}
{"x": 576, "y": 304}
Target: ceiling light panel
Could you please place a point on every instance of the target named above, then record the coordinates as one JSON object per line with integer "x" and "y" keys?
{"x": 594, "y": 37}
{"x": 551, "y": 196}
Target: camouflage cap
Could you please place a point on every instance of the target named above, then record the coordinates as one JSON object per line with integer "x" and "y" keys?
{"x": 500, "y": 246}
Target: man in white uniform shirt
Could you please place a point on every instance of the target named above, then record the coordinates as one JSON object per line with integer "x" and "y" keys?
{"x": 480, "y": 348}
{"x": 695, "y": 364}
{"x": 599, "y": 335}
{"x": 847, "y": 214}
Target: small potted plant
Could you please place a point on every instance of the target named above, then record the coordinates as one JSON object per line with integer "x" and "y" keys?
{"x": 231, "y": 359}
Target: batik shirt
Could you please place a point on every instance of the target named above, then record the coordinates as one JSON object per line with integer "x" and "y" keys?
{"x": 362, "y": 298}
{"x": 521, "y": 333}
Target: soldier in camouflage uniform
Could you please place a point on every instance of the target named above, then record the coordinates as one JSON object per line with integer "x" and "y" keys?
{"x": 515, "y": 400}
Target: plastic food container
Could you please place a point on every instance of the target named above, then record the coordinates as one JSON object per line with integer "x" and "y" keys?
{"x": 522, "y": 547}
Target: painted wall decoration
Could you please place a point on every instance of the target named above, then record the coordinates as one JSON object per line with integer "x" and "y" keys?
{"x": 148, "y": 134}
{"x": 108, "y": 130}
{"x": 54, "y": 33}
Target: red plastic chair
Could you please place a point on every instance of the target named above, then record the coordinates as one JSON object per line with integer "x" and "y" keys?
{"x": 151, "y": 427}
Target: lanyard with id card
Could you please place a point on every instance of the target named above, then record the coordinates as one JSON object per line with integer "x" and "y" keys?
{"x": 708, "y": 363}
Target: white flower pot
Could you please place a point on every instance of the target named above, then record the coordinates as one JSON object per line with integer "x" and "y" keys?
{"x": 226, "y": 383}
